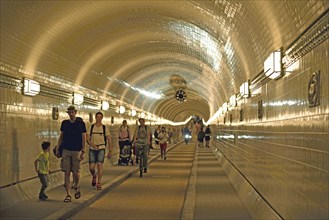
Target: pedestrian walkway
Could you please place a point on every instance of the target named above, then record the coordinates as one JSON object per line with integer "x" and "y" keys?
{"x": 161, "y": 193}
{"x": 190, "y": 184}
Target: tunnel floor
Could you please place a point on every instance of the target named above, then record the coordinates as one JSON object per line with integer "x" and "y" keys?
{"x": 190, "y": 184}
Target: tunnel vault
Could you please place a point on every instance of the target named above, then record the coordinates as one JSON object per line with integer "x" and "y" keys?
{"x": 131, "y": 51}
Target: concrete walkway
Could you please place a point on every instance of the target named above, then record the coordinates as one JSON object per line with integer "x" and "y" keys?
{"x": 190, "y": 184}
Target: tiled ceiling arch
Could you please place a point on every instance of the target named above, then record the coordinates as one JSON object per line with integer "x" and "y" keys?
{"x": 121, "y": 46}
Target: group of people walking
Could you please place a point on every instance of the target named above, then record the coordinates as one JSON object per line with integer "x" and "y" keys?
{"x": 204, "y": 136}
{"x": 71, "y": 148}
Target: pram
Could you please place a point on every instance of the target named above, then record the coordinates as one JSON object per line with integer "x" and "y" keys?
{"x": 125, "y": 156}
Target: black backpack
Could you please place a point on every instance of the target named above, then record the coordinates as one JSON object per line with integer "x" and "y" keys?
{"x": 201, "y": 135}
{"x": 104, "y": 132}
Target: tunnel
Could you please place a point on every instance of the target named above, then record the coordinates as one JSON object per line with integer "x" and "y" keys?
{"x": 255, "y": 72}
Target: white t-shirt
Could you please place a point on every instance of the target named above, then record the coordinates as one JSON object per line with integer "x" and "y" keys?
{"x": 163, "y": 137}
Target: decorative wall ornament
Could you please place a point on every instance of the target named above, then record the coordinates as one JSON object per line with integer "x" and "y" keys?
{"x": 314, "y": 89}
{"x": 260, "y": 109}
{"x": 91, "y": 117}
{"x": 55, "y": 114}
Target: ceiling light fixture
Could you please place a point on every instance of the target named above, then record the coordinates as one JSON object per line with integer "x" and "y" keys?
{"x": 180, "y": 95}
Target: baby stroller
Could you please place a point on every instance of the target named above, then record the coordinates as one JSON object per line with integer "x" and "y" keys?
{"x": 126, "y": 155}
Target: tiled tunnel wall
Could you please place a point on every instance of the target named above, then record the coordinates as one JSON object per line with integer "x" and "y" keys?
{"x": 284, "y": 154}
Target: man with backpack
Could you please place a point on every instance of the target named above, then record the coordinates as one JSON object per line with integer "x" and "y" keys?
{"x": 98, "y": 139}
{"x": 142, "y": 139}
{"x": 201, "y": 136}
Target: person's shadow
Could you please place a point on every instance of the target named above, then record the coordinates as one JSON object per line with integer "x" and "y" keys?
{"x": 15, "y": 163}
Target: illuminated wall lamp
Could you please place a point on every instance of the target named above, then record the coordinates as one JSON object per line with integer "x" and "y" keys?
{"x": 105, "y": 105}
{"x": 142, "y": 115}
{"x": 272, "y": 65}
{"x": 122, "y": 109}
{"x": 133, "y": 112}
{"x": 77, "y": 98}
{"x": 30, "y": 87}
{"x": 244, "y": 89}
{"x": 233, "y": 100}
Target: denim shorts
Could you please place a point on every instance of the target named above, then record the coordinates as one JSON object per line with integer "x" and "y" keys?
{"x": 96, "y": 156}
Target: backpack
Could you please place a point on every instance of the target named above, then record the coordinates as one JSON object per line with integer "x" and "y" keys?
{"x": 146, "y": 132}
{"x": 201, "y": 135}
{"x": 104, "y": 132}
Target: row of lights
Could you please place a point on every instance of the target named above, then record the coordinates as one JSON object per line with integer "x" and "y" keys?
{"x": 272, "y": 70}
{"x": 32, "y": 88}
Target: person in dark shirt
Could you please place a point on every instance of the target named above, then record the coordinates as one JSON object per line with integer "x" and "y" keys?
{"x": 207, "y": 136}
{"x": 73, "y": 140}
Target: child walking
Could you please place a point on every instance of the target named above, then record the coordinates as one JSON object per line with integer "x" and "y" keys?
{"x": 41, "y": 165}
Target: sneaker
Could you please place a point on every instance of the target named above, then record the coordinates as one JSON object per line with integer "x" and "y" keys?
{"x": 99, "y": 186}
{"x": 93, "y": 181}
{"x": 145, "y": 170}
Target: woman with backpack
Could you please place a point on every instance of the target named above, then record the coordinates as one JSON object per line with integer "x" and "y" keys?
{"x": 98, "y": 140}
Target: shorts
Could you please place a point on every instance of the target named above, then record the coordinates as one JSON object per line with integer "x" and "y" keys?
{"x": 70, "y": 161}
{"x": 96, "y": 156}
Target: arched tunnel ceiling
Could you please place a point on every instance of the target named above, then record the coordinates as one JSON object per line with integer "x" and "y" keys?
{"x": 124, "y": 47}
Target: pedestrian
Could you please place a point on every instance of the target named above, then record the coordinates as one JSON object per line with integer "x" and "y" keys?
{"x": 163, "y": 140}
{"x": 156, "y": 133}
{"x": 73, "y": 140}
{"x": 201, "y": 136}
{"x": 170, "y": 134}
{"x": 124, "y": 135}
{"x": 207, "y": 135}
{"x": 142, "y": 141}
{"x": 41, "y": 165}
{"x": 98, "y": 139}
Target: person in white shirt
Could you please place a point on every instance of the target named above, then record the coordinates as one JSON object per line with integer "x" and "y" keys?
{"x": 163, "y": 140}
{"x": 98, "y": 139}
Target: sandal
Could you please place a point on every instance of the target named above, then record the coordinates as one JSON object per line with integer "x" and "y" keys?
{"x": 99, "y": 187}
{"x": 77, "y": 194}
{"x": 67, "y": 198}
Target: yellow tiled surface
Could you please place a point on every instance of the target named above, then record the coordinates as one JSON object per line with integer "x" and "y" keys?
{"x": 214, "y": 45}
